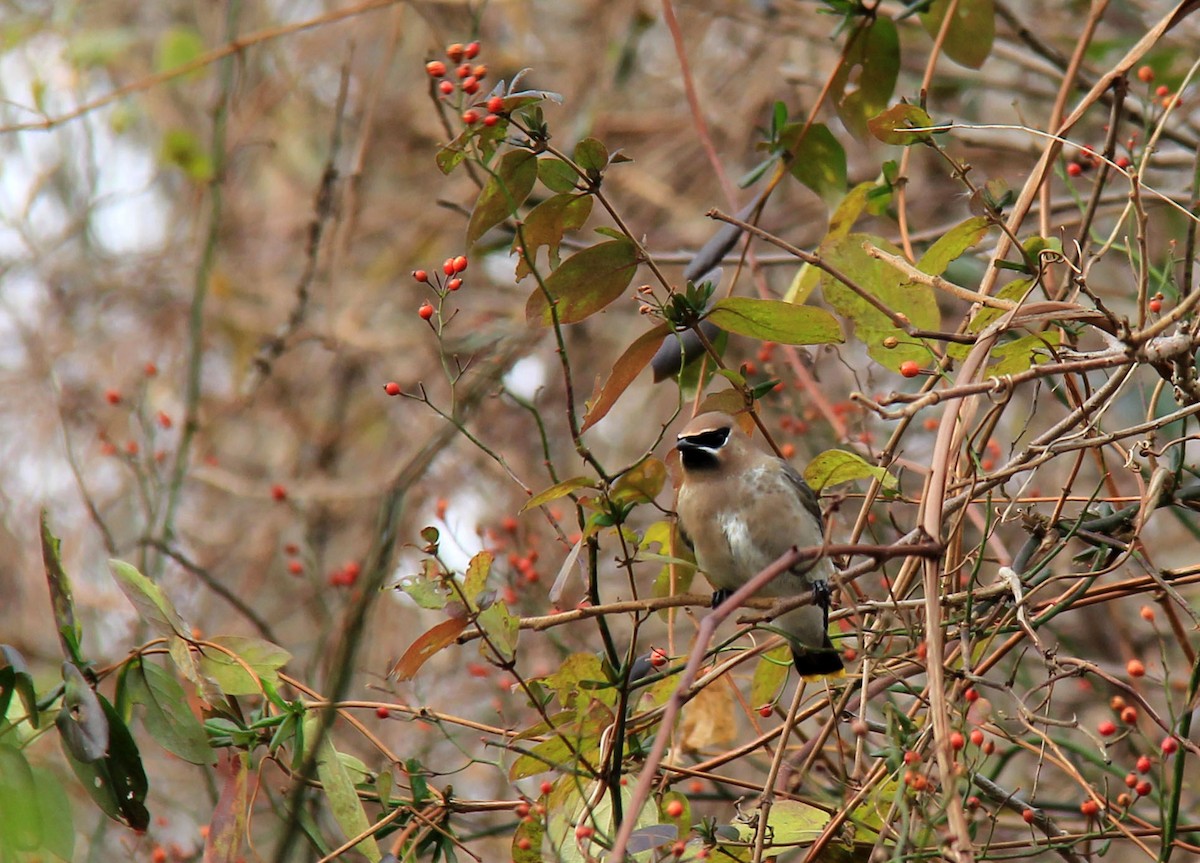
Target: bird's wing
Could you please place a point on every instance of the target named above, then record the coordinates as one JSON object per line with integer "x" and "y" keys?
{"x": 808, "y": 497}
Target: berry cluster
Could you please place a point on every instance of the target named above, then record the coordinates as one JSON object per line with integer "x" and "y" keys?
{"x": 465, "y": 80}
{"x": 450, "y": 280}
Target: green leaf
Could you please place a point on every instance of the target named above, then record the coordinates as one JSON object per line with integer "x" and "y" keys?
{"x": 167, "y": 716}
{"x": 81, "y": 722}
{"x": 339, "y": 788}
{"x": 181, "y": 148}
{"x": 951, "y": 245}
{"x": 505, "y": 190}
{"x": 837, "y": 466}
{"x": 641, "y": 483}
{"x": 545, "y": 225}
{"x": 15, "y": 677}
{"x": 20, "y": 821}
{"x": 475, "y": 581}
{"x": 819, "y": 161}
{"x": 889, "y": 287}
{"x": 892, "y": 125}
{"x": 1023, "y": 353}
{"x": 148, "y": 598}
{"x": 558, "y": 490}
{"x": 54, "y": 806}
{"x": 566, "y": 746}
{"x": 427, "y": 589}
{"x": 116, "y": 782}
{"x": 502, "y": 628}
{"x": 91, "y": 47}
{"x": 178, "y": 47}
{"x": 627, "y": 367}
{"x": 586, "y": 282}
{"x": 864, "y": 82}
{"x": 581, "y": 674}
{"x": 557, "y": 176}
{"x": 770, "y": 675}
{"x": 971, "y": 33}
{"x": 262, "y": 658}
{"x": 591, "y": 155}
{"x": 776, "y": 321}
{"x": 534, "y": 831}
{"x": 791, "y": 823}
{"x": 69, "y": 631}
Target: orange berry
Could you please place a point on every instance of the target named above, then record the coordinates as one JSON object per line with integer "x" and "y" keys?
{"x": 1135, "y": 668}
{"x": 1028, "y": 816}
{"x": 113, "y": 397}
{"x": 454, "y": 284}
{"x": 1155, "y": 306}
{"x": 524, "y": 844}
{"x": 1131, "y": 780}
{"x": 392, "y": 388}
{"x": 455, "y": 52}
{"x": 522, "y": 809}
{"x": 787, "y": 450}
{"x": 674, "y": 809}
{"x": 1074, "y": 169}
{"x": 435, "y": 68}
{"x": 1169, "y": 746}
{"x": 460, "y": 263}
{"x": 957, "y": 741}
{"x": 1129, "y": 715}
{"x": 1144, "y": 764}
{"x": 159, "y": 854}
{"x": 1147, "y": 613}
{"x": 976, "y": 736}
{"x": 1143, "y": 788}
{"x": 911, "y": 757}
{"x": 446, "y": 88}
{"x": 546, "y": 787}
{"x": 1089, "y": 808}
{"x": 1162, "y": 90}
{"x": 910, "y": 368}
{"x": 1117, "y": 703}
{"x": 1145, "y": 74}
{"x": 295, "y": 567}
{"x": 425, "y": 311}
{"x": 584, "y": 831}
{"x": 470, "y": 116}
{"x": 471, "y": 51}
{"x": 150, "y": 369}
{"x": 279, "y": 492}
{"x": 420, "y": 276}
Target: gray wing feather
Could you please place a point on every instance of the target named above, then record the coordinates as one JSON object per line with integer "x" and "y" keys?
{"x": 808, "y": 497}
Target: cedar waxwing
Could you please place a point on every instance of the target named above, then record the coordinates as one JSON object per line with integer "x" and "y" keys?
{"x": 741, "y": 509}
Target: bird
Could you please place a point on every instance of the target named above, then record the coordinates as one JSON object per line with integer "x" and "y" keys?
{"x": 739, "y": 509}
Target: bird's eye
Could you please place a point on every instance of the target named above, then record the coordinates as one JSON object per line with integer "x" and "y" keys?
{"x": 711, "y": 439}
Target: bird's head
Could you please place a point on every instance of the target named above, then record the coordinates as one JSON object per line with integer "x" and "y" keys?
{"x": 709, "y": 442}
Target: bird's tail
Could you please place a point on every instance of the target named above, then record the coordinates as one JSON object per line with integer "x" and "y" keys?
{"x": 812, "y": 662}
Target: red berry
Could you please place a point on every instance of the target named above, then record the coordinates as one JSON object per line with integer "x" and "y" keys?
{"x": 765, "y": 711}
{"x": 1155, "y": 306}
{"x": 989, "y": 747}
{"x": 1147, "y": 613}
{"x": 584, "y": 831}
{"x": 478, "y": 669}
{"x": 392, "y": 388}
{"x": 1123, "y": 162}
{"x": 495, "y": 104}
{"x": 1131, "y": 780}
{"x": 1074, "y": 169}
{"x": 471, "y": 51}
{"x": 278, "y": 492}
{"x": 150, "y": 370}
{"x": 1089, "y": 808}
{"x": 524, "y": 844}
{"x": 460, "y": 263}
{"x": 1162, "y": 90}
{"x": 470, "y": 85}
{"x": 1145, "y": 74}
{"x": 295, "y": 567}
{"x": 957, "y": 741}
{"x": 454, "y": 284}
{"x": 1107, "y": 728}
{"x": 674, "y": 809}
{"x": 911, "y": 757}
{"x": 445, "y": 88}
{"x": 1170, "y": 746}
{"x": 463, "y": 71}
{"x": 420, "y": 276}
{"x": 448, "y": 266}
{"x": 910, "y": 368}
{"x": 546, "y": 787}
{"x": 1135, "y": 668}
{"x": 435, "y": 68}
{"x": 291, "y": 549}
{"x": 350, "y": 572}
{"x": 426, "y": 311}
{"x": 164, "y": 419}
{"x": 1143, "y": 788}
{"x": 1028, "y": 816}
{"x": 522, "y": 809}
{"x": 977, "y": 737}
{"x": 1144, "y": 764}
{"x": 491, "y": 120}
{"x": 1129, "y": 715}
{"x": 113, "y": 397}
{"x": 470, "y": 116}
{"x": 480, "y": 71}
{"x": 455, "y": 52}
{"x": 971, "y": 694}
{"x": 658, "y": 657}
{"x": 679, "y": 848}
{"x": 382, "y": 712}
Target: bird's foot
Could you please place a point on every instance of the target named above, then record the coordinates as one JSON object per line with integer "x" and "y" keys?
{"x": 720, "y": 596}
{"x": 821, "y": 594}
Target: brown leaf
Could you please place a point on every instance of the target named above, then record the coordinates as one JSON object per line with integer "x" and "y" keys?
{"x": 626, "y": 368}
{"x": 427, "y": 645}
